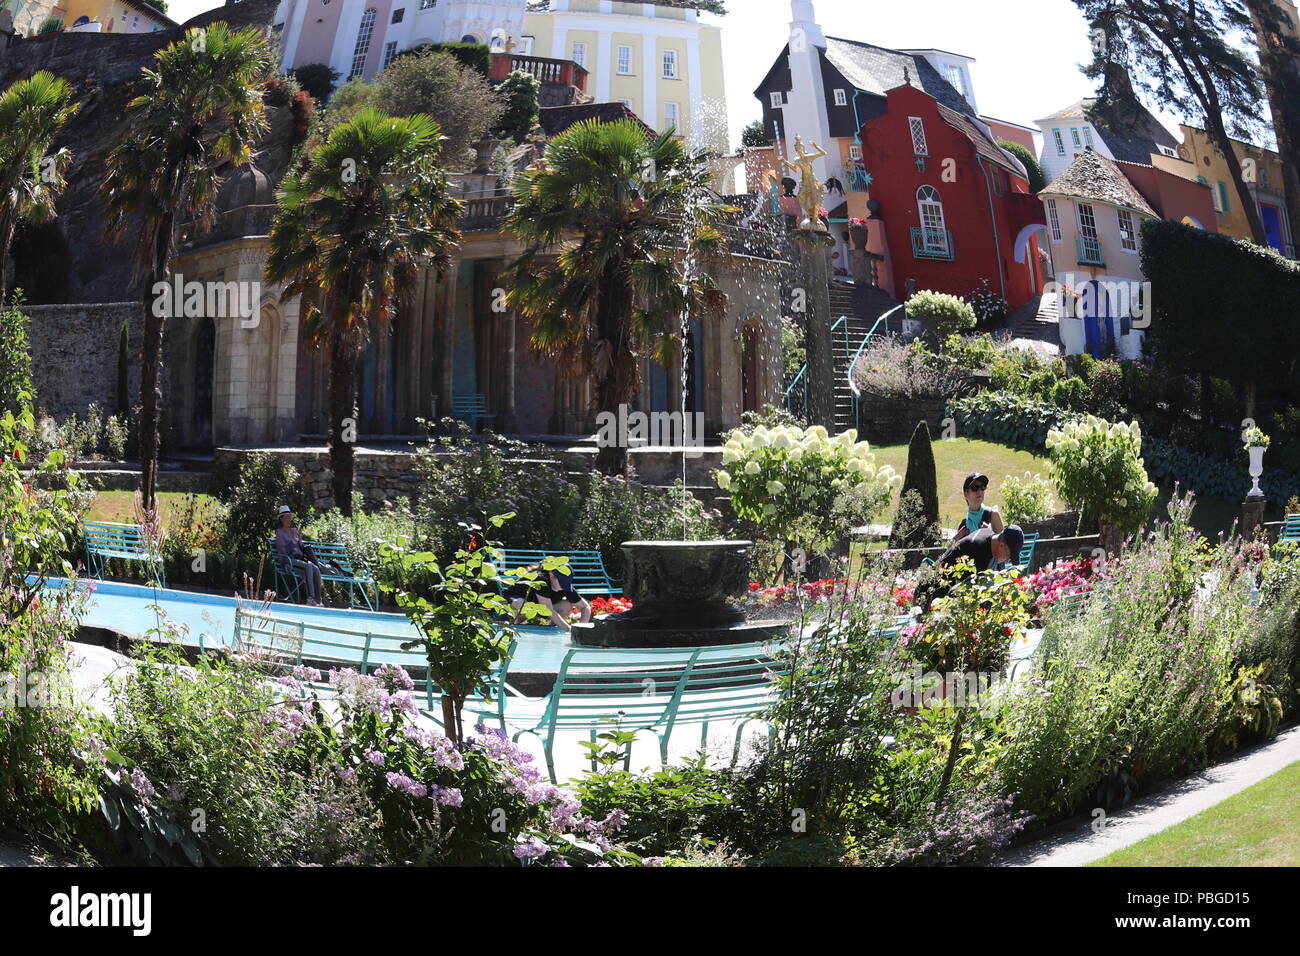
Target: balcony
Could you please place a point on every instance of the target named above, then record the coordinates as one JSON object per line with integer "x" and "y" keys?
{"x": 1089, "y": 251}
{"x": 546, "y": 69}
{"x": 930, "y": 243}
{"x": 484, "y": 214}
{"x": 855, "y": 178}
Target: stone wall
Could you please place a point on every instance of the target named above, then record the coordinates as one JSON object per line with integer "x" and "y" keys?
{"x": 74, "y": 355}
{"x": 891, "y": 421}
{"x": 379, "y": 475}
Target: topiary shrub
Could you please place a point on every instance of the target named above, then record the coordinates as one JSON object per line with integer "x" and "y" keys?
{"x": 922, "y": 529}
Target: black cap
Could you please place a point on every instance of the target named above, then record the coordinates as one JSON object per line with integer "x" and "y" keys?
{"x": 1014, "y": 539}
{"x": 973, "y": 477}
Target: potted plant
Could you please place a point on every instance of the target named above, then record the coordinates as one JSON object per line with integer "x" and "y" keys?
{"x": 858, "y": 233}
{"x": 1256, "y": 443}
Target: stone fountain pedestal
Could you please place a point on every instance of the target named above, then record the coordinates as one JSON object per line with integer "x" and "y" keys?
{"x": 679, "y": 592}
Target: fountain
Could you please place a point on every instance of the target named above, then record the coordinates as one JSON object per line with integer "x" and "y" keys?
{"x": 681, "y": 593}
{"x": 684, "y": 592}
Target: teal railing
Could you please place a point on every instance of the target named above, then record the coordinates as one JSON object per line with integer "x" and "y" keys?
{"x": 1089, "y": 251}
{"x": 853, "y": 362}
{"x": 799, "y": 384}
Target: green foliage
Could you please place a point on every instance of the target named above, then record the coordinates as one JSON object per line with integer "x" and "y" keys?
{"x": 266, "y": 481}
{"x": 318, "y": 79}
{"x": 51, "y": 24}
{"x": 635, "y": 202}
{"x": 456, "y": 96}
{"x": 1098, "y": 466}
{"x": 890, "y": 369}
{"x": 970, "y": 628}
{"x": 1007, "y": 419}
{"x": 794, "y": 355}
{"x": 456, "y": 606}
{"x": 1196, "y": 278}
{"x": 754, "y": 134}
{"x": 124, "y": 372}
{"x": 15, "y": 357}
{"x": 1132, "y": 690}
{"x": 1026, "y": 498}
{"x": 1037, "y": 182}
{"x": 975, "y": 353}
{"x": 520, "y": 92}
{"x": 943, "y": 314}
{"x": 677, "y": 811}
{"x": 921, "y": 479}
{"x": 802, "y": 486}
{"x": 473, "y": 56}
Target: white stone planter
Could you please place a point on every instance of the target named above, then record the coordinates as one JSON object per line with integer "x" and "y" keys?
{"x": 1256, "y": 453}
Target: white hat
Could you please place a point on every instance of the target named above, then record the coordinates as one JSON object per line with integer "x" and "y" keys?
{"x": 284, "y": 510}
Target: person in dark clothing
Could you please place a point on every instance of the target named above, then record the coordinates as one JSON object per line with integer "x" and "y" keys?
{"x": 983, "y": 547}
{"x": 554, "y": 591}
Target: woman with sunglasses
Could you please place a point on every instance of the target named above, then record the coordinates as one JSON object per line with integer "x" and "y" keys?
{"x": 977, "y": 516}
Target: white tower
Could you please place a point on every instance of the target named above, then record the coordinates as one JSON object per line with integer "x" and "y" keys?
{"x": 489, "y": 21}
{"x": 805, "y": 112}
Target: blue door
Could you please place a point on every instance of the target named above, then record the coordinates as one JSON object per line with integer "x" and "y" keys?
{"x": 1272, "y": 217}
{"x": 1098, "y": 322}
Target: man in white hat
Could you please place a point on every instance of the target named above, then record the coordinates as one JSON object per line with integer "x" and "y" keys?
{"x": 288, "y": 542}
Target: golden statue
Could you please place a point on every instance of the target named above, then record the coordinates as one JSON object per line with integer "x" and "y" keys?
{"x": 811, "y": 190}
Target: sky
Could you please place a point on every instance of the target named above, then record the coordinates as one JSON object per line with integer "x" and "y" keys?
{"x": 1028, "y": 52}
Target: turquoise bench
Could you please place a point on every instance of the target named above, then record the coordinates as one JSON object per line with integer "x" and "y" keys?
{"x": 586, "y": 568}
{"x": 105, "y": 540}
{"x": 283, "y": 644}
{"x": 652, "y": 689}
{"x": 1290, "y": 530}
{"x": 291, "y": 585}
{"x": 470, "y": 408}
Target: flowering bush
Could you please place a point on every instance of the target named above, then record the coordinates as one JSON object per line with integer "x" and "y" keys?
{"x": 801, "y": 485}
{"x": 1026, "y": 498}
{"x": 1098, "y": 466}
{"x": 971, "y": 627}
{"x": 1057, "y": 580}
{"x": 943, "y": 314}
{"x": 1255, "y": 438}
{"x": 604, "y": 606}
{"x": 989, "y": 307}
{"x": 823, "y": 592}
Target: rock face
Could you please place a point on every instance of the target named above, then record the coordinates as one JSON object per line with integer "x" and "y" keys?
{"x": 70, "y": 260}
{"x": 78, "y": 346}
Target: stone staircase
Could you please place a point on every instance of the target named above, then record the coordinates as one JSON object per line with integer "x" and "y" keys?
{"x": 861, "y": 305}
{"x": 1037, "y": 321}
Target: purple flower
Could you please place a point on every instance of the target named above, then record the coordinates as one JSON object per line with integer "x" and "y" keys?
{"x": 141, "y": 785}
{"x": 530, "y": 850}
{"x": 405, "y": 784}
{"x": 374, "y": 757}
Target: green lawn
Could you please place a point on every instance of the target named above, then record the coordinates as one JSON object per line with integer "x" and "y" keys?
{"x": 120, "y": 505}
{"x": 953, "y": 461}
{"x": 958, "y": 457}
{"x": 1258, "y": 827}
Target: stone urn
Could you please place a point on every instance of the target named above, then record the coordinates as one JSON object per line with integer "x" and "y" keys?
{"x": 1256, "y": 453}
{"x": 681, "y": 594}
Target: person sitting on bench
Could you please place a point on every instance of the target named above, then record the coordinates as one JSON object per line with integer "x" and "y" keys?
{"x": 982, "y": 548}
{"x": 288, "y": 542}
{"x": 554, "y": 591}
{"x": 977, "y": 516}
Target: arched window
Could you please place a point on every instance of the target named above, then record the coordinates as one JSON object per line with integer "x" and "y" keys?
{"x": 80, "y": 20}
{"x": 933, "y": 231}
{"x": 366, "y": 31}
{"x": 469, "y": 38}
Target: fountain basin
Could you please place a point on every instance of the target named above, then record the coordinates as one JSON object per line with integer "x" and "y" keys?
{"x": 682, "y": 595}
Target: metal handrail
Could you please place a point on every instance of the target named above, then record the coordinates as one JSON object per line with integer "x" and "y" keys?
{"x": 803, "y": 372}
{"x": 853, "y": 363}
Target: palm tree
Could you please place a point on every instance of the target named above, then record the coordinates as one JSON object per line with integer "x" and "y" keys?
{"x": 371, "y": 209}
{"x": 200, "y": 112}
{"x": 32, "y": 112}
{"x": 609, "y": 216}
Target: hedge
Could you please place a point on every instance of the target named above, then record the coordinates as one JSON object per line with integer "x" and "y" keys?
{"x": 1024, "y": 423}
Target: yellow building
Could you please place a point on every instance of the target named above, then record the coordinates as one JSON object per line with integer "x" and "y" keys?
{"x": 114, "y": 16}
{"x": 1198, "y": 158}
{"x": 660, "y": 61}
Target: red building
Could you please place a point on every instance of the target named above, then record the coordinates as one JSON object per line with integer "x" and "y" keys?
{"x": 954, "y": 207}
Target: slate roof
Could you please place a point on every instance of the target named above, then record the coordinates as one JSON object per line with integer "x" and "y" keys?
{"x": 1134, "y": 145}
{"x": 556, "y": 119}
{"x": 874, "y": 69}
{"x": 1094, "y": 178}
{"x": 983, "y": 144}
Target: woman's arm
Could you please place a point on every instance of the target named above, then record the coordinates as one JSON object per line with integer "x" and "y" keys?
{"x": 995, "y": 520}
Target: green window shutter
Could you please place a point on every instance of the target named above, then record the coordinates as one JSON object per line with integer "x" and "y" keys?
{"x": 1223, "y": 196}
